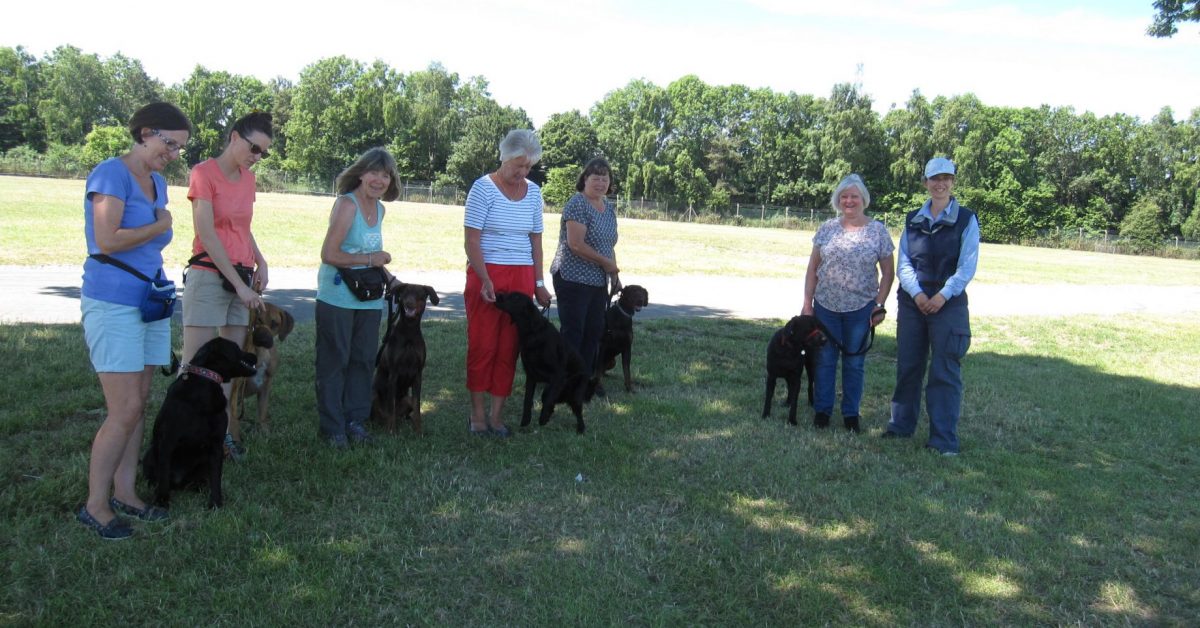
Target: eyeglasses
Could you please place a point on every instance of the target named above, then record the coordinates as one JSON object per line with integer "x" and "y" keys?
{"x": 256, "y": 149}
{"x": 171, "y": 144}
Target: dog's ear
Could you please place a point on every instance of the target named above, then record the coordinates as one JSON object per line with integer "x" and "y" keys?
{"x": 286, "y": 323}
{"x": 432, "y": 294}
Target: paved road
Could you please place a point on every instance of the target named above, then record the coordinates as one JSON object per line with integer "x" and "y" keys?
{"x": 50, "y": 294}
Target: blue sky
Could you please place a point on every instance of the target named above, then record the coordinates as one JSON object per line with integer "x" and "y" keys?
{"x": 548, "y": 56}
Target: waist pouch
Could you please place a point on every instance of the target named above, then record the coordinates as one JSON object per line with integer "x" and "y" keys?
{"x": 158, "y": 302}
{"x": 366, "y": 284}
{"x": 244, "y": 272}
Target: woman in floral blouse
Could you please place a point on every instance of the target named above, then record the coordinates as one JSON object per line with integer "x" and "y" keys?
{"x": 844, "y": 289}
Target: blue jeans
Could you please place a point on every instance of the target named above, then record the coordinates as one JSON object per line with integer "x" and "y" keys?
{"x": 941, "y": 340}
{"x": 581, "y": 310}
{"x": 850, "y": 329}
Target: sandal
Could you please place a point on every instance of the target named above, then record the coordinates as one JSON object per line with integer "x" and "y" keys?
{"x": 114, "y": 530}
{"x": 149, "y": 513}
{"x": 487, "y": 431}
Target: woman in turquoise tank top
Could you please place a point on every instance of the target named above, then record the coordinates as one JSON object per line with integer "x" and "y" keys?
{"x": 347, "y": 328}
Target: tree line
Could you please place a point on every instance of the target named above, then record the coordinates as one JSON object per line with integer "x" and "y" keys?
{"x": 691, "y": 145}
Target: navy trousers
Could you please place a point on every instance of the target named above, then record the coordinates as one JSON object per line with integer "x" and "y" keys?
{"x": 581, "y": 317}
{"x": 938, "y": 341}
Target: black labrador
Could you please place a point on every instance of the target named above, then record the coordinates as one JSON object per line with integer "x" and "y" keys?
{"x": 186, "y": 445}
{"x": 792, "y": 351}
{"x": 547, "y": 359}
{"x": 400, "y": 363}
{"x": 618, "y": 335}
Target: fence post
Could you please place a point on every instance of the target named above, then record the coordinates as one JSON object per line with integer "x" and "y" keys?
{"x": 738, "y": 210}
{"x": 763, "y": 213}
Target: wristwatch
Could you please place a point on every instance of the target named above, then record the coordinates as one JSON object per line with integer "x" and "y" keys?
{"x": 539, "y": 284}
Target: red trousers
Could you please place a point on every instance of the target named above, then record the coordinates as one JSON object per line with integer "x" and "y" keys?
{"x": 492, "y": 345}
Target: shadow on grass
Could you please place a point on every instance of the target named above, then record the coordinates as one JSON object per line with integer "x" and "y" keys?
{"x": 301, "y": 303}
{"x": 1074, "y": 501}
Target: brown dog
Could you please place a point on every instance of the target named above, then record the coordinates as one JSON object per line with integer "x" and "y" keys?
{"x": 618, "y": 335}
{"x": 274, "y": 322}
{"x": 400, "y": 363}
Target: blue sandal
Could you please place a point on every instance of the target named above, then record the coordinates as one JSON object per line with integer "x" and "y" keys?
{"x": 149, "y": 513}
{"x": 114, "y": 530}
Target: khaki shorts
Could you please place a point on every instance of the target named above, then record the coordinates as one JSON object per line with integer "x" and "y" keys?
{"x": 207, "y": 304}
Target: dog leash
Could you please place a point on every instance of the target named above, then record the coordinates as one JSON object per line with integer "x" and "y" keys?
{"x": 393, "y": 307}
{"x": 868, "y": 342}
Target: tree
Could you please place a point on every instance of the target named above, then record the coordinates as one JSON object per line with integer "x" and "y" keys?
{"x": 132, "y": 87}
{"x": 213, "y": 101}
{"x": 78, "y": 95}
{"x": 104, "y": 142}
{"x": 1171, "y": 12}
{"x": 560, "y": 185}
{"x": 20, "y": 85}
{"x": 1145, "y": 226}
{"x": 632, "y": 129}
{"x": 435, "y": 105}
{"x": 340, "y": 108}
{"x": 568, "y": 140}
{"x": 477, "y": 151}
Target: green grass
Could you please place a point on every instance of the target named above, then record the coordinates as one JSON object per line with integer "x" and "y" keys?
{"x": 1074, "y": 501}
{"x": 41, "y": 222}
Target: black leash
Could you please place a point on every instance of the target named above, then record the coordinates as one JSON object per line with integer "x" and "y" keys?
{"x": 867, "y": 343}
{"x": 393, "y": 309}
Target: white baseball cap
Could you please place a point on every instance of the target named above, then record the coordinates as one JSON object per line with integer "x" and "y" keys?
{"x": 939, "y": 165}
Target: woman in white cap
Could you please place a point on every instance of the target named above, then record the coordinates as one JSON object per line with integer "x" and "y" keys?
{"x": 939, "y": 249}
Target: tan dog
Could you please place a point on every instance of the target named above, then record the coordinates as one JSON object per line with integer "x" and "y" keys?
{"x": 265, "y": 327}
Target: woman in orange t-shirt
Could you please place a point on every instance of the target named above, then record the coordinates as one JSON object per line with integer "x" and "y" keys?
{"x": 222, "y": 191}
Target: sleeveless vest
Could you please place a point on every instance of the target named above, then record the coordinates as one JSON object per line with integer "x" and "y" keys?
{"x": 934, "y": 251}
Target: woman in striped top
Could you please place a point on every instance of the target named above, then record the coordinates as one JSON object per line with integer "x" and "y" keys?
{"x": 503, "y": 233}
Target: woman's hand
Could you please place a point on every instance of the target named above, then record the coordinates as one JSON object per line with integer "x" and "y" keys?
{"x": 609, "y": 266}
{"x": 249, "y": 297}
{"x": 615, "y": 278}
{"x": 877, "y": 315}
{"x": 380, "y": 258}
{"x": 807, "y": 310}
{"x": 163, "y": 219}
{"x": 543, "y": 296}
{"x": 259, "y": 280}
{"x": 488, "y": 291}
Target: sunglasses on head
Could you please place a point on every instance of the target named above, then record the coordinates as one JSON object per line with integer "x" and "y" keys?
{"x": 256, "y": 149}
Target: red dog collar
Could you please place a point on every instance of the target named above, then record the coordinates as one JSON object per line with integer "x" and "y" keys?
{"x": 202, "y": 372}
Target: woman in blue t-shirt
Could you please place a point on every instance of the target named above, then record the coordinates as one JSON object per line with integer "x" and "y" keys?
{"x": 347, "y": 328}
{"x": 586, "y": 260}
{"x": 126, "y": 218}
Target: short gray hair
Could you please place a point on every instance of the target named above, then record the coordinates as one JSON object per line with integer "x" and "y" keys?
{"x": 849, "y": 181}
{"x": 521, "y": 143}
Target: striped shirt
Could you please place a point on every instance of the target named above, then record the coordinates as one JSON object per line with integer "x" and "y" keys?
{"x": 504, "y": 225}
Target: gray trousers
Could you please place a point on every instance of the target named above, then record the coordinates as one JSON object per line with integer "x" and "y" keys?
{"x": 347, "y": 341}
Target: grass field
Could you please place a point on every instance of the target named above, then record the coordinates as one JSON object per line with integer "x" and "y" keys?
{"x": 1074, "y": 501}
{"x": 41, "y": 222}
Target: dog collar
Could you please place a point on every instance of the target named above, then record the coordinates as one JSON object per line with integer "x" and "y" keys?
{"x": 622, "y": 310}
{"x": 202, "y": 372}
